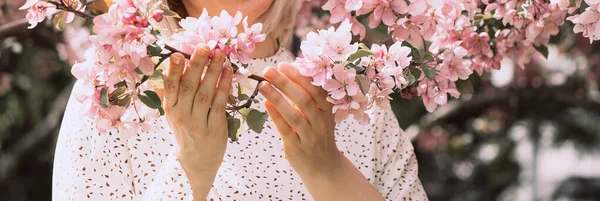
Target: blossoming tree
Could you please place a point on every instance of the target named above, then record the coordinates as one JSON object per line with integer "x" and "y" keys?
{"x": 434, "y": 47}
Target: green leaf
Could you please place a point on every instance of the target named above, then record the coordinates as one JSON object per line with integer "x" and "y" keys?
{"x": 170, "y": 13}
{"x": 359, "y": 69}
{"x": 572, "y": 3}
{"x": 464, "y": 86}
{"x": 429, "y": 72}
{"x": 360, "y": 53}
{"x": 104, "y": 97}
{"x": 120, "y": 97}
{"x": 363, "y": 46}
{"x": 233, "y": 126}
{"x": 138, "y": 71}
{"x": 411, "y": 79}
{"x": 243, "y": 97}
{"x": 364, "y": 83}
{"x": 161, "y": 111}
{"x": 58, "y": 21}
{"x": 415, "y": 72}
{"x": 150, "y": 99}
{"x": 256, "y": 120}
{"x": 427, "y": 57}
{"x": 83, "y": 2}
{"x": 542, "y": 49}
{"x": 154, "y": 49}
{"x": 416, "y": 55}
{"x": 121, "y": 84}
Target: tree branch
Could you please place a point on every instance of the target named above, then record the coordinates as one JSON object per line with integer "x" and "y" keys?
{"x": 62, "y": 6}
{"x": 235, "y": 68}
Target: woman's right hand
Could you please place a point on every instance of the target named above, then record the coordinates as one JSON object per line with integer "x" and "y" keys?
{"x": 191, "y": 101}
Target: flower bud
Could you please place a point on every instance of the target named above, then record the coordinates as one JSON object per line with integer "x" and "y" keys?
{"x": 158, "y": 15}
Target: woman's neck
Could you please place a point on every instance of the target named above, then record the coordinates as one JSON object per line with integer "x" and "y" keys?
{"x": 266, "y": 48}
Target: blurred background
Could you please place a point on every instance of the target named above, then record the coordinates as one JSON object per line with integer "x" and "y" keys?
{"x": 528, "y": 134}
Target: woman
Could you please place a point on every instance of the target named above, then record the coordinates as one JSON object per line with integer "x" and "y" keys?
{"x": 189, "y": 158}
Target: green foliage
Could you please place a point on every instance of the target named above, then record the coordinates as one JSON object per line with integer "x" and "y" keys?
{"x": 256, "y": 120}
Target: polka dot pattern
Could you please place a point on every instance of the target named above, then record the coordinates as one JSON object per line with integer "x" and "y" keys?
{"x": 93, "y": 166}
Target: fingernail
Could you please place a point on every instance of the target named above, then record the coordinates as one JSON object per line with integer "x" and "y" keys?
{"x": 268, "y": 72}
{"x": 175, "y": 60}
{"x": 201, "y": 50}
{"x": 265, "y": 88}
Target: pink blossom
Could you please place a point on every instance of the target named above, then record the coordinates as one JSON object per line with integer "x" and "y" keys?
{"x": 436, "y": 93}
{"x": 587, "y": 23}
{"x": 455, "y": 66}
{"x": 343, "y": 84}
{"x": 36, "y": 11}
{"x": 338, "y": 42}
{"x": 478, "y": 44}
{"x": 406, "y": 30}
{"x": 224, "y": 28}
{"x": 383, "y": 10}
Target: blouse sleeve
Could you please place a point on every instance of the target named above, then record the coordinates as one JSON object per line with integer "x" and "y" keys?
{"x": 170, "y": 183}
{"x": 397, "y": 168}
{"x": 88, "y": 165}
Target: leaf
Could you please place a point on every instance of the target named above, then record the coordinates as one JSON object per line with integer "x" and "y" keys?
{"x": 256, "y": 120}
{"x": 120, "y": 97}
{"x": 243, "y": 97}
{"x": 411, "y": 79}
{"x": 572, "y": 3}
{"x": 542, "y": 49}
{"x": 415, "y": 72}
{"x": 154, "y": 49}
{"x": 364, "y": 83}
{"x": 233, "y": 126}
{"x": 427, "y": 57}
{"x": 150, "y": 99}
{"x": 138, "y": 71}
{"x": 360, "y": 53}
{"x": 121, "y": 84}
{"x": 363, "y": 46}
{"x": 416, "y": 55}
{"x": 104, "y": 97}
{"x": 429, "y": 72}
{"x": 59, "y": 21}
{"x": 464, "y": 86}
{"x": 83, "y": 2}
{"x": 170, "y": 13}
{"x": 161, "y": 111}
{"x": 359, "y": 69}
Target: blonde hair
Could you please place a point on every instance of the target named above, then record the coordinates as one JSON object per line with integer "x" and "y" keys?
{"x": 278, "y": 21}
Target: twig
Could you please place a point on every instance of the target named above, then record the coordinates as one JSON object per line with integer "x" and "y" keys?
{"x": 258, "y": 78}
{"x": 15, "y": 26}
{"x": 62, "y": 6}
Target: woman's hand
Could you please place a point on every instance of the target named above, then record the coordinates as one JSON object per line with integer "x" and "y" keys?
{"x": 307, "y": 130}
{"x": 191, "y": 101}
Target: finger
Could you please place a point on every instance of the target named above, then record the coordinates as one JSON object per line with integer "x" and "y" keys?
{"x": 318, "y": 94}
{"x": 204, "y": 94}
{"x": 191, "y": 78}
{"x": 295, "y": 93}
{"x": 172, "y": 79}
{"x": 291, "y": 115}
{"x": 286, "y": 132}
{"x": 217, "y": 110}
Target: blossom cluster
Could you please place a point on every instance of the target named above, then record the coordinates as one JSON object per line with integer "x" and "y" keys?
{"x": 356, "y": 77}
{"x": 117, "y": 79}
{"x": 449, "y": 40}
{"x": 221, "y": 32}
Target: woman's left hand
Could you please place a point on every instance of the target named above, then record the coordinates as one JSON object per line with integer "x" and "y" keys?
{"x": 307, "y": 129}
{"x": 307, "y": 125}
